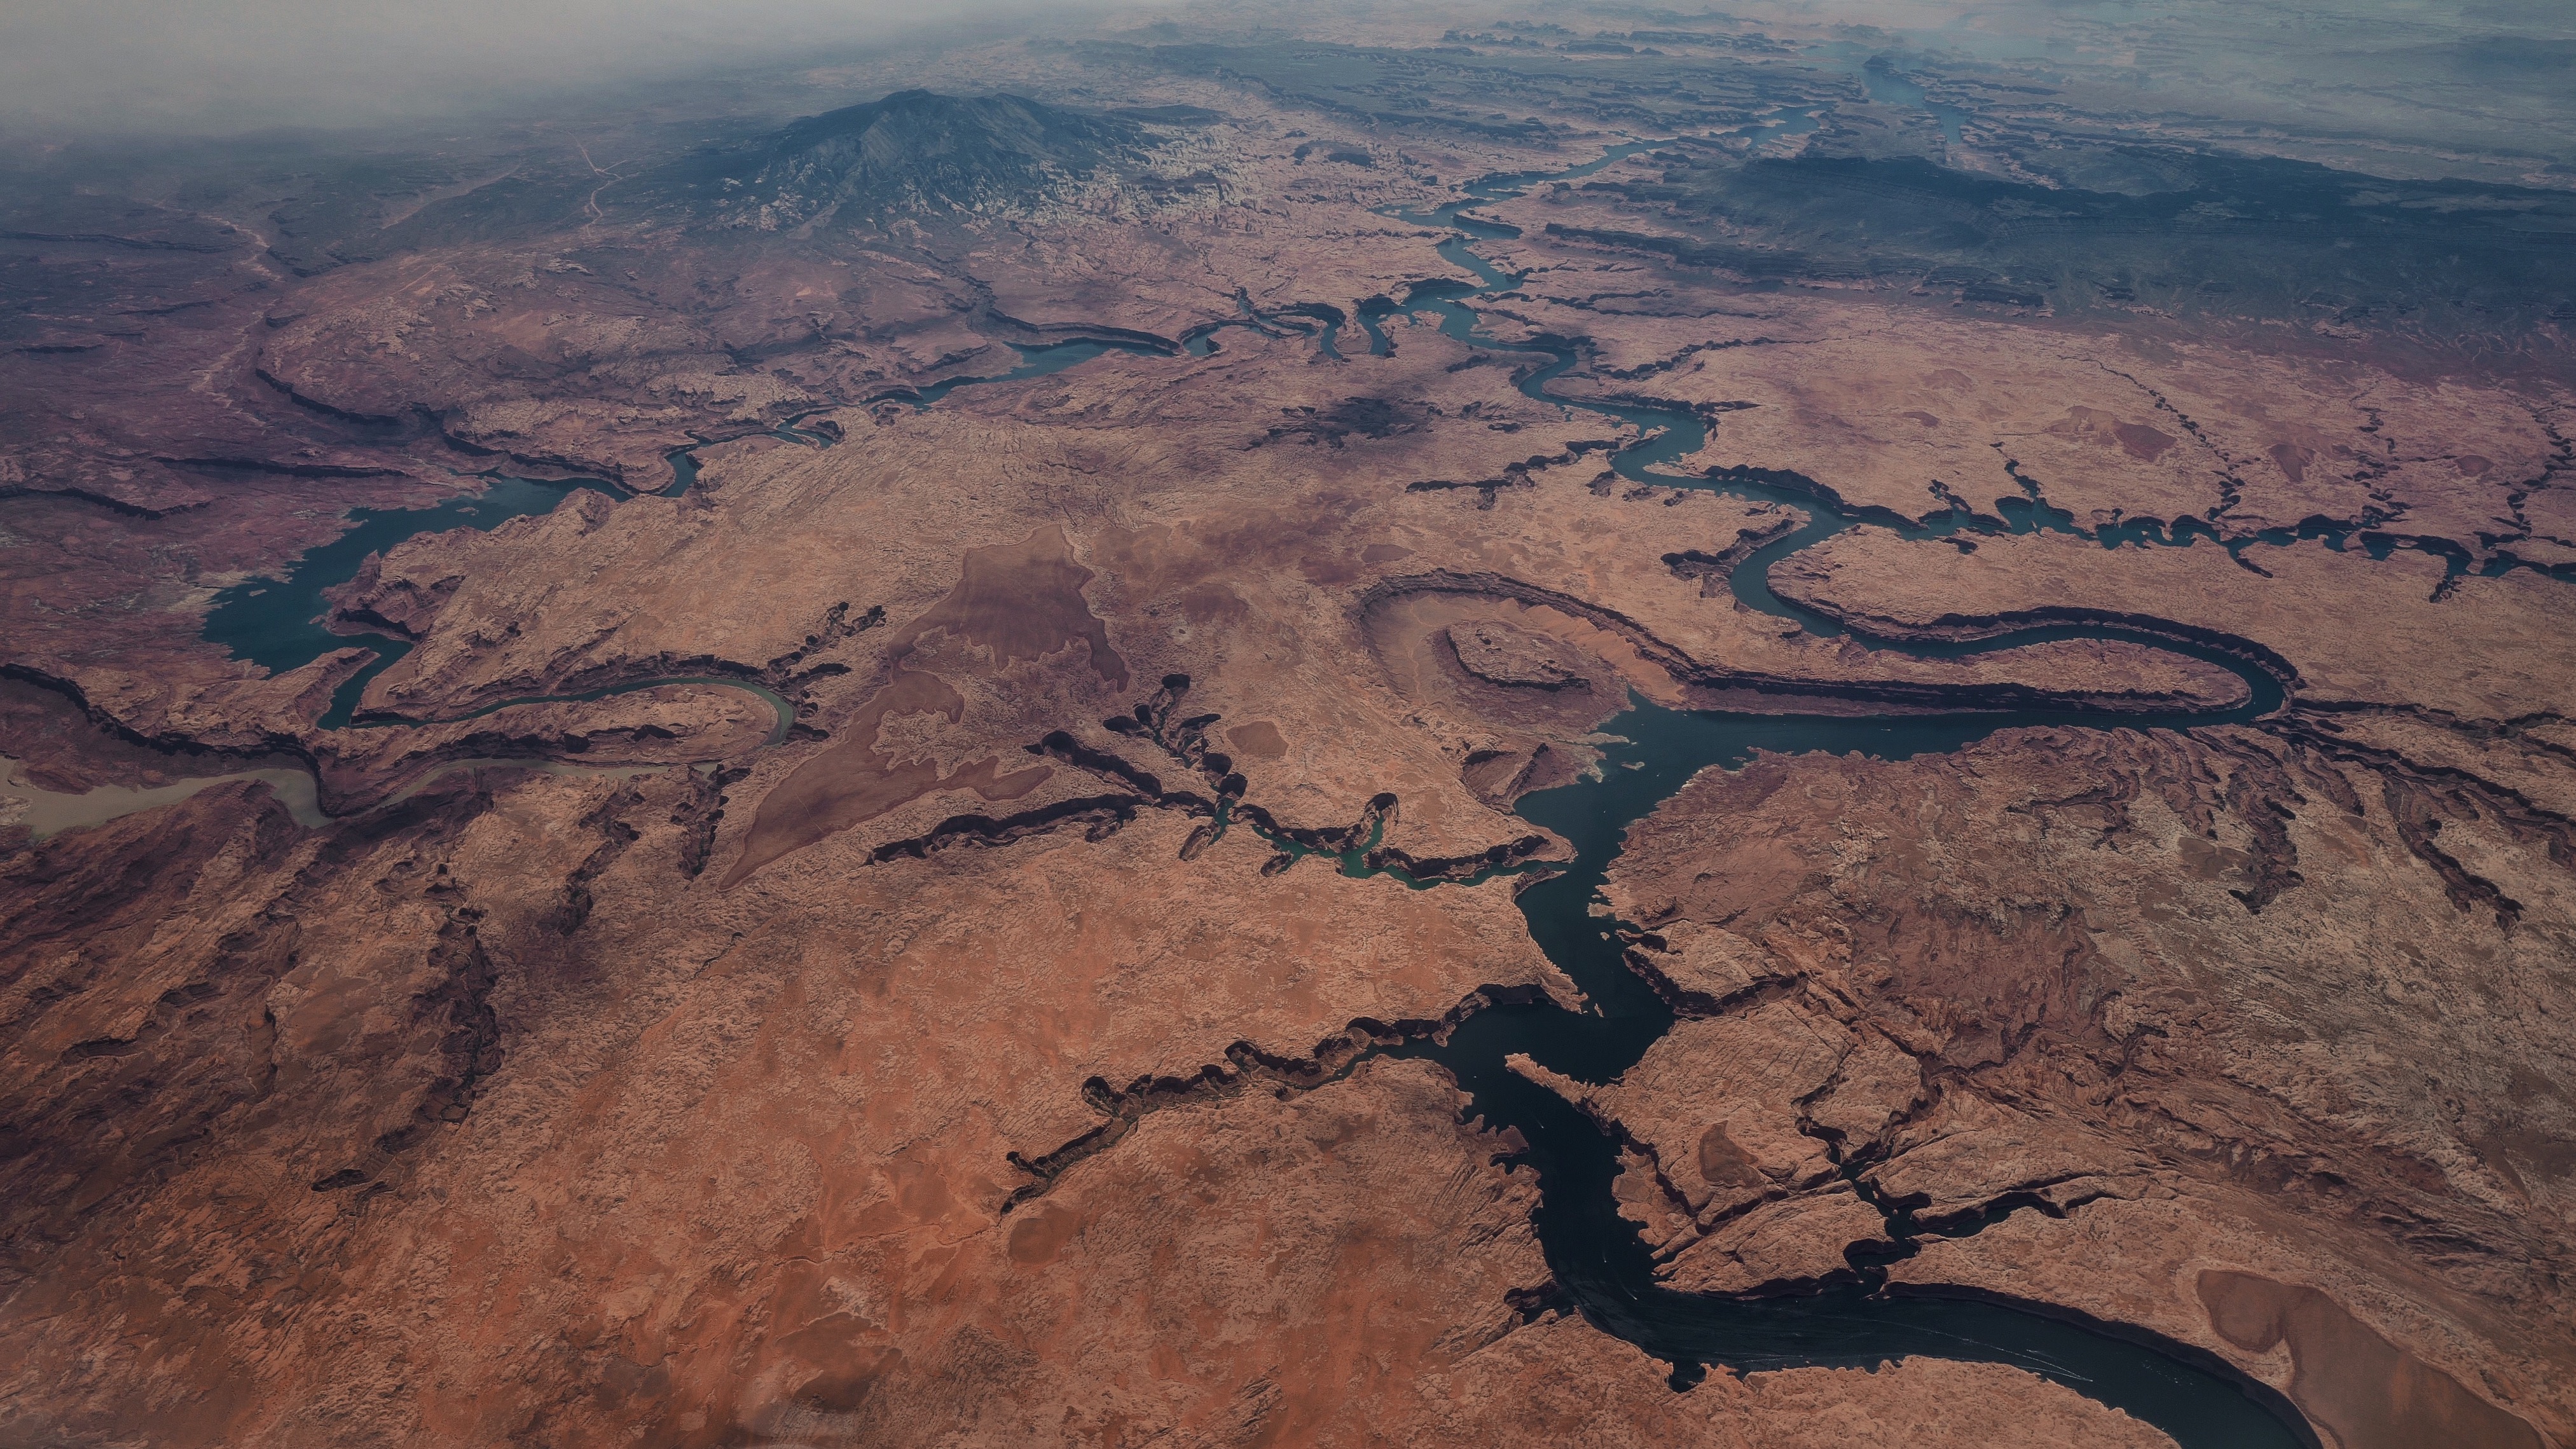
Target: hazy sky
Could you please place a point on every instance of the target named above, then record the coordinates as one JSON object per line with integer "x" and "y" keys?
{"x": 226, "y": 65}
{"x": 158, "y": 65}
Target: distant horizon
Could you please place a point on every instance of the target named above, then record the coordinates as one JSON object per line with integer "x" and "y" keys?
{"x": 69, "y": 68}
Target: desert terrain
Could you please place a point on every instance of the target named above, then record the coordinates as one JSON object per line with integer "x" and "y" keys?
{"x": 1449, "y": 728}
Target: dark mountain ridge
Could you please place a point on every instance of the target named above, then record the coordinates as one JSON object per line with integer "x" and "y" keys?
{"x": 916, "y": 153}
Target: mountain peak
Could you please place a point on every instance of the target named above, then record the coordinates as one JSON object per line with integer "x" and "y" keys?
{"x": 921, "y": 152}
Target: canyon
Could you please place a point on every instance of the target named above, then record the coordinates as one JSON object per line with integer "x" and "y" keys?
{"x": 1137, "y": 735}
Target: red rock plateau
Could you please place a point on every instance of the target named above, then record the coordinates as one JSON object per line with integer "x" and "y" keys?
{"x": 929, "y": 849}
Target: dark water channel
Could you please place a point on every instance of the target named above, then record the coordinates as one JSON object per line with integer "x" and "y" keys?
{"x": 278, "y": 623}
{"x": 1597, "y": 1257}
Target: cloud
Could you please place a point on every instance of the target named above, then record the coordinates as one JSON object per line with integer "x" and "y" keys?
{"x": 224, "y": 65}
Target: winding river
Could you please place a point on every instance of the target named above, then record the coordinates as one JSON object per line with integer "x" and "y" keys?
{"x": 1597, "y": 1257}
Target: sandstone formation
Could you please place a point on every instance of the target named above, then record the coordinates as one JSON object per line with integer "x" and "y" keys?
{"x": 841, "y": 759}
